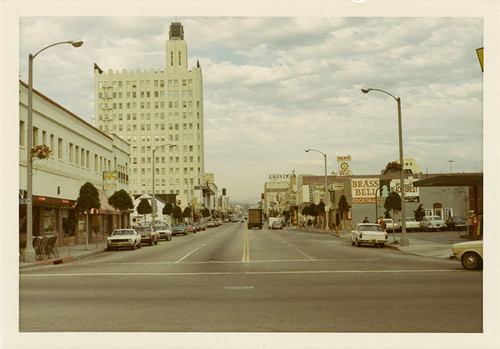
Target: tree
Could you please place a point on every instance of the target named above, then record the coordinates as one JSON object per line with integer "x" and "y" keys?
{"x": 144, "y": 208}
{"x": 205, "y": 212}
{"x": 321, "y": 208}
{"x": 419, "y": 213}
{"x": 168, "y": 209}
{"x": 187, "y": 212}
{"x": 343, "y": 208}
{"x": 177, "y": 214}
{"x": 393, "y": 203}
{"x": 305, "y": 211}
{"x": 88, "y": 199}
{"x": 122, "y": 201}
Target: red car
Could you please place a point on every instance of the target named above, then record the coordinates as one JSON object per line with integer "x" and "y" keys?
{"x": 148, "y": 235}
{"x": 191, "y": 228}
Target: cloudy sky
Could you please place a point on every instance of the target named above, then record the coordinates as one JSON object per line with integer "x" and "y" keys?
{"x": 274, "y": 86}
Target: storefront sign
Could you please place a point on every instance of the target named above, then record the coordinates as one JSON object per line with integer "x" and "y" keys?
{"x": 279, "y": 177}
{"x": 344, "y": 163}
{"x": 336, "y": 186}
{"x": 412, "y": 193}
{"x": 364, "y": 190}
{"x": 110, "y": 179}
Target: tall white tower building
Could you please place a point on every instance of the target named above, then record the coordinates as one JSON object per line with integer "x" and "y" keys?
{"x": 152, "y": 109}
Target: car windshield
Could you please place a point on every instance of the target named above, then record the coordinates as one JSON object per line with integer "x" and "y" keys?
{"x": 370, "y": 228}
{"x": 140, "y": 229}
{"x": 123, "y": 232}
{"x": 180, "y": 225}
{"x": 410, "y": 219}
{"x": 161, "y": 228}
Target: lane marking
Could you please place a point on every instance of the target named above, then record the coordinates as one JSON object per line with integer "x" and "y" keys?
{"x": 250, "y": 273}
{"x": 246, "y": 248}
{"x": 186, "y": 256}
{"x": 238, "y": 287}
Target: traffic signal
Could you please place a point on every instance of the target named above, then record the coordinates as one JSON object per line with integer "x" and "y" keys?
{"x": 262, "y": 196}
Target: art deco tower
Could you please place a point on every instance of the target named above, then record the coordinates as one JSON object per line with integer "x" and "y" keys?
{"x": 154, "y": 108}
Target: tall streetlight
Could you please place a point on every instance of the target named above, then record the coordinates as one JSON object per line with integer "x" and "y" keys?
{"x": 326, "y": 187}
{"x": 154, "y": 197}
{"x": 29, "y": 254}
{"x": 404, "y": 240}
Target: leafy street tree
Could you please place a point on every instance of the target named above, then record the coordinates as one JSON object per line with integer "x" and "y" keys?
{"x": 393, "y": 203}
{"x": 187, "y": 212}
{"x": 121, "y": 200}
{"x": 343, "y": 208}
{"x": 205, "y": 212}
{"x": 177, "y": 214}
{"x": 144, "y": 208}
{"x": 305, "y": 211}
{"x": 322, "y": 213}
{"x": 88, "y": 199}
{"x": 168, "y": 209}
{"x": 419, "y": 213}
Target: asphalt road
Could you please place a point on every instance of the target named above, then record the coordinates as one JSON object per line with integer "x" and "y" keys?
{"x": 230, "y": 279}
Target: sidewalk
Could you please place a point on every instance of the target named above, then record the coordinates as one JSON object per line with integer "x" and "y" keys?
{"x": 70, "y": 253}
{"x": 427, "y": 244}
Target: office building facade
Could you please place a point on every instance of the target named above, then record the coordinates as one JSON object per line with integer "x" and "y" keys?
{"x": 152, "y": 109}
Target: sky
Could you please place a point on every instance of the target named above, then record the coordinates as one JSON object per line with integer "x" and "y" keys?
{"x": 275, "y": 86}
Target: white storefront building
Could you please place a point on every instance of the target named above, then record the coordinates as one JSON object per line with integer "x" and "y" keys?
{"x": 80, "y": 153}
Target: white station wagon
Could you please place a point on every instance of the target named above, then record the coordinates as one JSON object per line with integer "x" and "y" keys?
{"x": 368, "y": 233}
{"x": 470, "y": 253}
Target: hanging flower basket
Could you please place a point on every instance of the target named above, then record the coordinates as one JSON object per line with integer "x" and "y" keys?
{"x": 40, "y": 152}
{"x": 393, "y": 167}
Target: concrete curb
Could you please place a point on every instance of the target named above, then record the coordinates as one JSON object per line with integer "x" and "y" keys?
{"x": 61, "y": 260}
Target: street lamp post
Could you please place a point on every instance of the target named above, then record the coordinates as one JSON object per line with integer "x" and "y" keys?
{"x": 154, "y": 197}
{"x": 29, "y": 254}
{"x": 326, "y": 186}
{"x": 404, "y": 239}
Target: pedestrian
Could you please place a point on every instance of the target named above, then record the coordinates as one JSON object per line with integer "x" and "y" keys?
{"x": 366, "y": 220}
{"x": 382, "y": 223}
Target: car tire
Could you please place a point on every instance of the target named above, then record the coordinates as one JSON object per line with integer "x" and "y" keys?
{"x": 382, "y": 245}
{"x": 358, "y": 243}
{"x": 471, "y": 261}
{"x": 139, "y": 245}
{"x": 352, "y": 243}
{"x": 133, "y": 247}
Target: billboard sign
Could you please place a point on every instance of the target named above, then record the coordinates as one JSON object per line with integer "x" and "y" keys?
{"x": 110, "y": 179}
{"x": 344, "y": 163}
{"x": 412, "y": 193}
{"x": 364, "y": 190}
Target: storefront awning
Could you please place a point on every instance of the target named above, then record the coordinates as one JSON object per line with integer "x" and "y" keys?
{"x": 452, "y": 180}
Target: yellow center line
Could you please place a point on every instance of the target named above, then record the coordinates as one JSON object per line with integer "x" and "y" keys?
{"x": 246, "y": 249}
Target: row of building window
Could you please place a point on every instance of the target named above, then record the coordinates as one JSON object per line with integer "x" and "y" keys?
{"x": 161, "y": 160}
{"x": 133, "y": 84}
{"x": 146, "y": 105}
{"x": 146, "y": 116}
{"x": 145, "y": 94}
{"x": 77, "y": 155}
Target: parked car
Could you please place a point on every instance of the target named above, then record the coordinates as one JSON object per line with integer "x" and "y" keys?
{"x": 200, "y": 226}
{"x": 432, "y": 223}
{"x": 278, "y": 224}
{"x": 148, "y": 235}
{"x": 191, "y": 228}
{"x": 411, "y": 224}
{"x": 389, "y": 224}
{"x": 369, "y": 233}
{"x": 120, "y": 238}
{"x": 219, "y": 221}
{"x": 210, "y": 224}
{"x": 456, "y": 223}
{"x": 165, "y": 232}
{"x": 470, "y": 253}
{"x": 179, "y": 228}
